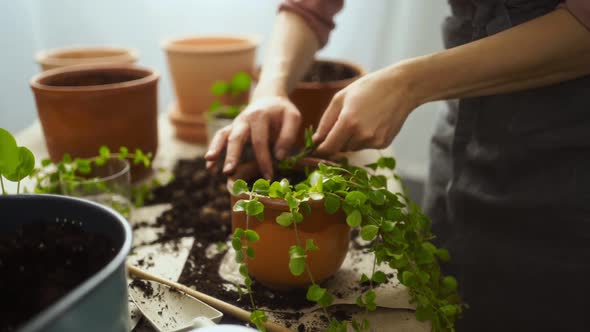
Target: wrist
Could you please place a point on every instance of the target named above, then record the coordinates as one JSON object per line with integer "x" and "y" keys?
{"x": 413, "y": 74}
{"x": 270, "y": 87}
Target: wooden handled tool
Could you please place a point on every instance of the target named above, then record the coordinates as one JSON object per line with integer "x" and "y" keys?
{"x": 225, "y": 307}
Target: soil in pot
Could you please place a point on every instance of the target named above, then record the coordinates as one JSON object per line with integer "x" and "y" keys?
{"x": 41, "y": 262}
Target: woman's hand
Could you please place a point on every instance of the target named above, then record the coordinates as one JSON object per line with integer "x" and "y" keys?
{"x": 368, "y": 113}
{"x": 267, "y": 118}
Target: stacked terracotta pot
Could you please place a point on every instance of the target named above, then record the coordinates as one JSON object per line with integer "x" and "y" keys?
{"x": 195, "y": 63}
{"x": 91, "y": 97}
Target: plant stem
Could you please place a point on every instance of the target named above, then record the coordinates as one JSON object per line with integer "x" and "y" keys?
{"x": 18, "y": 187}
{"x": 2, "y": 184}
{"x": 247, "y": 243}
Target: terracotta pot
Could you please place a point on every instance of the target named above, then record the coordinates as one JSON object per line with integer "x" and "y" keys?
{"x": 196, "y": 62}
{"x": 313, "y": 97}
{"x": 84, "y": 107}
{"x": 62, "y": 57}
{"x": 271, "y": 265}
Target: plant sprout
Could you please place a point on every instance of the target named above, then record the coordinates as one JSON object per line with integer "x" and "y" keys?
{"x": 236, "y": 87}
{"x": 16, "y": 162}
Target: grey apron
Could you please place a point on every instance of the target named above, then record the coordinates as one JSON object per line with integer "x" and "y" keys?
{"x": 509, "y": 190}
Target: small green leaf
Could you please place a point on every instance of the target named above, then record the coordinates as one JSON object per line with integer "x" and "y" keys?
{"x": 379, "y": 277}
{"x": 297, "y": 216}
{"x": 386, "y": 162}
{"x": 236, "y": 243}
{"x": 46, "y": 162}
{"x": 332, "y": 203}
{"x": 104, "y": 152}
{"x": 240, "y": 83}
{"x": 424, "y": 313}
{"x": 315, "y": 293}
{"x": 408, "y": 278}
{"x": 364, "y": 278}
{"x": 387, "y": 226}
{"x": 355, "y": 198}
{"x": 67, "y": 158}
{"x": 449, "y": 284}
{"x": 297, "y": 260}
{"x": 354, "y": 219}
{"x": 240, "y": 205}
{"x": 261, "y": 186}
{"x": 251, "y": 236}
{"x": 378, "y": 181}
{"x": 258, "y": 318}
{"x": 239, "y": 256}
{"x": 449, "y": 310}
{"x": 292, "y": 201}
{"x": 308, "y": 134}
{"x": 215, "y": 105}
{"x": 219, "y": 88}
{"x": 250, "y": 252}
{"x": 276, "y": 190}
{"x": 254, "y": 208}
{"x": 369, "y": 232}
{"x": 285, "y": 219}
{"x": 9, "y": 154}
{"x": 24, "y": 167}
{"x": 244, "y": 270}
{"x": 239, "y": 187}
{"x": 310, "y": 246}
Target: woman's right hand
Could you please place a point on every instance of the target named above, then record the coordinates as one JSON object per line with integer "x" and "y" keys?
{"x": 265, "y": 120}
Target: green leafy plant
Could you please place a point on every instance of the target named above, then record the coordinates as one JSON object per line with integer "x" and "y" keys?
{"x": 227, "y": 105}
{"x": 398, "y": 232}
{"x": 50, "y": 175}
{"x": 16, "y": 162}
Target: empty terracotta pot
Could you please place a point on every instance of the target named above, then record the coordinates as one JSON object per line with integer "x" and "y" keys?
{"x": 62, "y": 57}
{"x": 313, "y": 94}
{"x": 271, "y": 264}
{"x": 84, "y": 107}
{"x": 195, "y": 63}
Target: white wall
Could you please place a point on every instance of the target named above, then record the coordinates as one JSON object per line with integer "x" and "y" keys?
{"x": 374, "y": 33}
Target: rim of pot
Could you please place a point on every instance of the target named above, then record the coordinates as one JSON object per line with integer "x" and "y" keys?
{"x": 338, "y": 83}
{"x": 226, "y": 44}
{"x": 54, "y": 56}
{"x": 147, "y": 76}
{"x": 250, "y": 170}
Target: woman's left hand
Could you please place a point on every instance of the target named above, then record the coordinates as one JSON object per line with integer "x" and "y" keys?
{"x": 368, "y": 113}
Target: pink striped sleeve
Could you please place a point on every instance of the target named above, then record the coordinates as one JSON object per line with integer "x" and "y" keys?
{"x": 319, "y": 15}
{"x": 580, "y": 9}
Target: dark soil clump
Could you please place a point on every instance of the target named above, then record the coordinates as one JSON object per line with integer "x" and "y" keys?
{"x": 41, "y": 262}
{"x": 144, "y": 286}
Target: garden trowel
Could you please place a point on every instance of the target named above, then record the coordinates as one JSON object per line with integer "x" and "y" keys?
{"x": 172, "y": 311}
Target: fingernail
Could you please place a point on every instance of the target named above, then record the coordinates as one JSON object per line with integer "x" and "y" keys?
{"x": 209, "y": 154}
{"x": 280, "y": 154}
{"x": 209, "y": 164}
{"x": 228, "y": 167}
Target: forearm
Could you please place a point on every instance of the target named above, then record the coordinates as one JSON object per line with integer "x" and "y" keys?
{"x": 547, "y": 50}
{"x": 290, "y": 53}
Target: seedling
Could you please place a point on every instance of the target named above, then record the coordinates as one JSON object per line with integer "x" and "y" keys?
{"x": 227, "y": 105}
{"x": 16, "y": 162}
{"x": 69, "y": 170}
{"x": 398, "y": 231}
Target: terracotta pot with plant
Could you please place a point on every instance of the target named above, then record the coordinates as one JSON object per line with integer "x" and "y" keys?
{"x": 344, "y": 196}
{"x": 69, "y": 56}
{"x": 84, "y": 107}
{"x": 195, "y": 63}
{"x": 313, "y": 93}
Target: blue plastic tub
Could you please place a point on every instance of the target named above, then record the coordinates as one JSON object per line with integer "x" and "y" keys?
{"x": 99, "y": 303}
